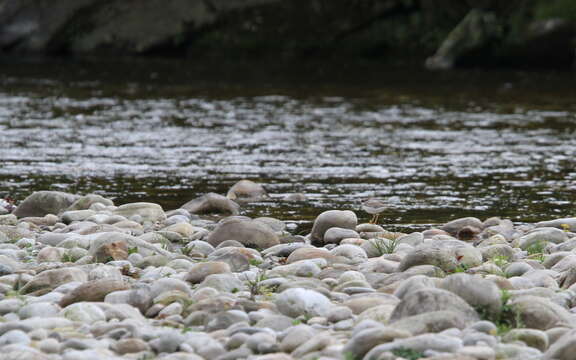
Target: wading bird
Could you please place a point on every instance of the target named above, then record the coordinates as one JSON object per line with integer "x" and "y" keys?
{"x": 374, "y": 207}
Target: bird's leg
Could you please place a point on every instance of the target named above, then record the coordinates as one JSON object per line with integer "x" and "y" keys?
{"x": 374, "y": 219}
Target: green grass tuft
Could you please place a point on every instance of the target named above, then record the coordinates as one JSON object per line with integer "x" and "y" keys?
{"x": 501, "y": 261}
{"x": 384, "y": 246}
{"x": 408, "y": 354}
{"x": 536, "y": 251}
{"x": 507, "y": 319}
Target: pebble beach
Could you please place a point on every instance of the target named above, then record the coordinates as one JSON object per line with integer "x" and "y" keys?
{"x": 83, "y": 278}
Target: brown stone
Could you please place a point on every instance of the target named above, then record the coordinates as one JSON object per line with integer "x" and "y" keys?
{"x": 95, "y": 290}
{"x": 50, "y": 279}
{"x": 246, "y": 231}
{"x": 131, "y": 345}
{"x": 117, "y": 250}
{"x": 307, "y": 253}
{"x": 198, "y": 272}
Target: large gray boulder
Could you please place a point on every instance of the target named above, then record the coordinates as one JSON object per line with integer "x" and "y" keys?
{"x": 85, "y": 312}
{"x": 420, "y": 343}
{"x": 165, "y": 285}
{"x": 541, "y": 313}
{"x": 296, "y": 336}
{"x": 17, "y": 352}
{"x": 504, "y": 227}
{"x": 431, "y": 322}
{"x": 84, "y": 202}
{"x": 365, "y": 340}
{"x": 442, "y": 257}
{"x": 475, "y": 290}
{"x": 36, "y": 26}
{"x": 246, "y": 231}
{"x": 563, "y": 223}
{"x": 454, "y": 226}
{"x": 564, "y": 348}
{"x": 95, "y": 290}
{"x": 517, "y": 352}
{"x": 541, "y": 236}
{"x": 415, "y": 283}
{"x": 139, "y": 296}
{"x": 298, "y": 301}
{"x": 212, "y": 203}
{"x": 70, "y": 216}
{"x": 344, "y": 219}
{"x": 335, "y": 235}
{"x": 428, "y": 300}
{"x": 50, "y": 279}
{"x": 223, "y": 282}
{"x": 108, "y": 246}
{"x": 199, "y": 271}
{"x": 99, "y": 242}
{"x": 380, "y": 313}
{"x": 245, "y": 191}
{"x": 149, "y": 212}
{"x": 472, "y": 33}
{"x": 237, "y": 258}
{"x": 42, "y": 203}
{"x": 537, "y": 339}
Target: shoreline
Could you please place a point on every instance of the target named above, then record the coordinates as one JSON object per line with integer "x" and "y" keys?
{"x": 81, "y": 278}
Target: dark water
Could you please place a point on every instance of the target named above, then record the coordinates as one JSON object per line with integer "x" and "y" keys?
{"x": 436, "y": 146}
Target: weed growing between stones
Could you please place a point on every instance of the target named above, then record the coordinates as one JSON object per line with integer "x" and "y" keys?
{"x": 349, "y": 356}
{"x": 255, "y": 285}
{"x": 255, "y": 262}
{"x": 161, "y": 241}
{"x": 189, "y": 250}
{"x": 67, "y": 257}
{"x": 408, "y": 354}
{"x": 501, "y": 261}
{"x": 385, "y": 246}
{"x": 187, "y": 329}
{"x": 302, "y": 319}
{"x": 507, "y": 319}
{"x": 15, "y": 294}
{"x": 146, "y": 357}
{"x": 460, "y": 268}
{"x": 165, "y": 244}
{"x": 536, "y": 251}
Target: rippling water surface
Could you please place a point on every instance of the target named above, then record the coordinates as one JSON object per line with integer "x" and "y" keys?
{"x": 435, "y": 146}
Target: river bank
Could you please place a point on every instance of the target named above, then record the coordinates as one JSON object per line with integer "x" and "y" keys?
{"x": 431, "y": 33}
{"x": 82, "y": 278}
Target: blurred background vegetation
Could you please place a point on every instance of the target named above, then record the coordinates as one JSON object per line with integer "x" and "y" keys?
{"x": 449, "y": 33}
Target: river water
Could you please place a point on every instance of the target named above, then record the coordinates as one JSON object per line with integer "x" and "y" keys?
{"x": 435, "y": 146}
